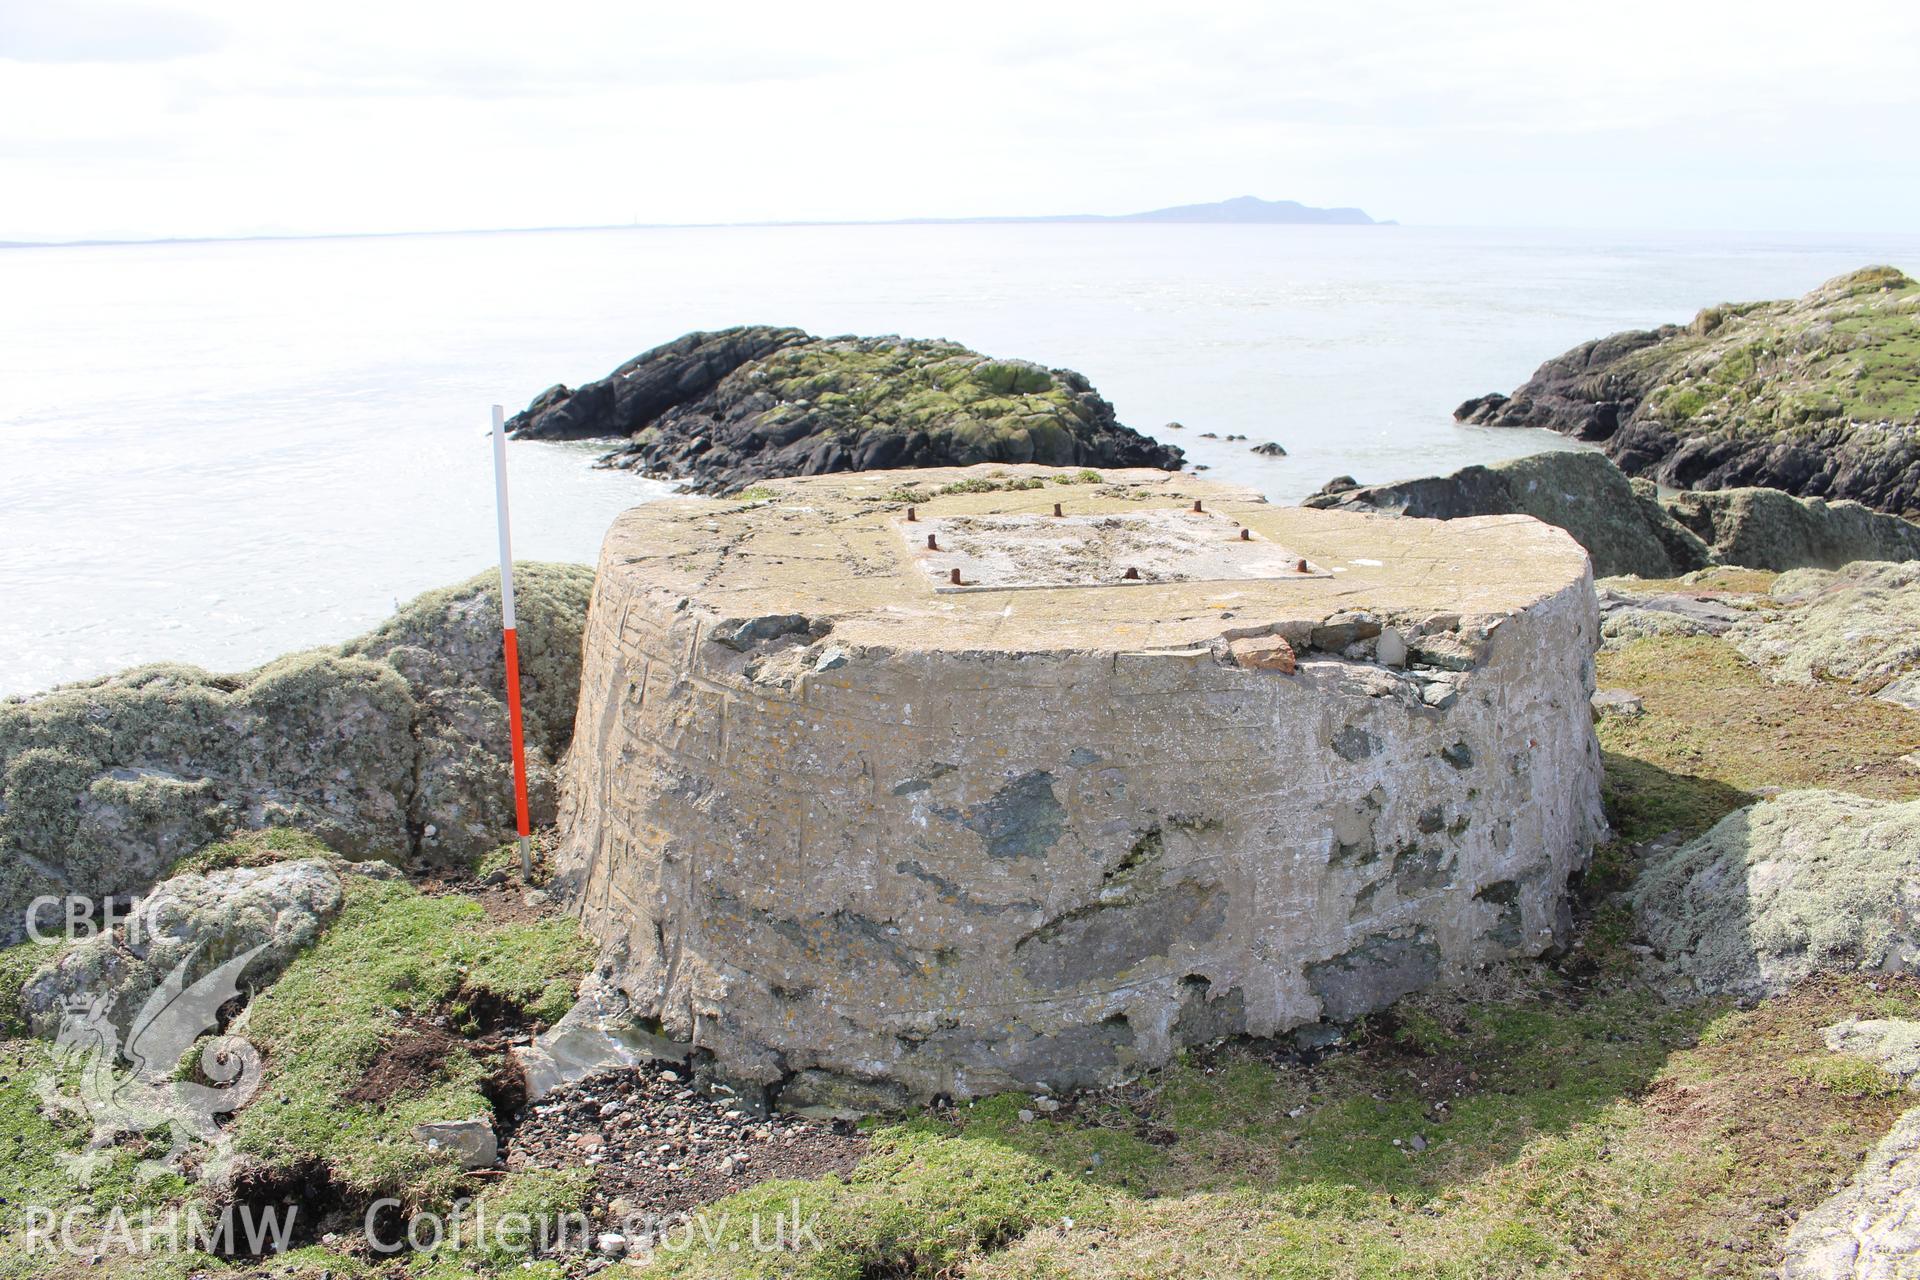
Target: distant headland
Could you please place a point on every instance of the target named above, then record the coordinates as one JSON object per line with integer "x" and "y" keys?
{"x": 1246, "y": 210}
{"x": 1240, "y": 209}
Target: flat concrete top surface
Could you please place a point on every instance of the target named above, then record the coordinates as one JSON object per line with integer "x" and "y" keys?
{"x": 1105, "y": 549}
{"x": 841, "y": 547}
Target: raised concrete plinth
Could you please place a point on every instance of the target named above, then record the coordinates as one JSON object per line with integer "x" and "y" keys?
{"x": 866, "y": 839}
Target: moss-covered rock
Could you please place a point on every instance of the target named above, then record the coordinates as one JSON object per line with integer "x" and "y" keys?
{"x": 721, "y": 410}
{"x": 393, "y": 745}
{"x": 1817, "y": 396}
{"x": 1807, "y": 882}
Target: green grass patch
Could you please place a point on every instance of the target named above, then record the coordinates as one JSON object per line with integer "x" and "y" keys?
{"x": 37, "y": 1146}
{"x": 923, "y": 1203}
{"x": 393, "y": 954}
{"x": 18, "y": 963}
{"x": 252, "y": 849}
{"x": 1846, "y": 1075}
{"x": 1716, "y": 731}
{"x": 1558, "y": 1134}
{"x": 1644, "y": 800}
{"x": 1849, "y": 351}
{"x": 983, "y": 410}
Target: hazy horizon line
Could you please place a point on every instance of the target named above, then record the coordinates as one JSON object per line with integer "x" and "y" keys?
{"x": 985, "y": 220}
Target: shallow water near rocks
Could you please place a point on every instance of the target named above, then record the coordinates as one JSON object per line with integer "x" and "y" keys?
{"x": 220, "y": 452}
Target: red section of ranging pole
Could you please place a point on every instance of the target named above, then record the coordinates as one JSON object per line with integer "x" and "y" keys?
{"x": 510, "y": 643}
{"x": 519, "y": 741}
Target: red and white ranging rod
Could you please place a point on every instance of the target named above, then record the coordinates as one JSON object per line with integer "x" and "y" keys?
{"x": 511, "y": 643}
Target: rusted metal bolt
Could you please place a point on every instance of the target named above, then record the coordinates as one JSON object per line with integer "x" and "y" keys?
{"x": 954, "y": 577}
{"x": 910, "y": 516}
{"x": 1299, "y": 566}
{"x": 935, "y": 546}
{"x": 1196, "y": 505}
{"x": 1057, "y": 511}
{"x": 1246, "y": 535}
{"x": 1131, "y": 574}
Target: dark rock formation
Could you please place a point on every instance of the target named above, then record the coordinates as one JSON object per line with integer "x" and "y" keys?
{"x": 1819, "y": 396}
{"x": 1581, "y": 492}
{"x": 632, "y": 396}
{"x": 1629, "y": 529}
{"x": 721, "y": 410}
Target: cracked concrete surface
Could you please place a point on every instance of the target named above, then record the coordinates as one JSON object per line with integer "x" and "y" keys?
{"x": 860, "y": 838}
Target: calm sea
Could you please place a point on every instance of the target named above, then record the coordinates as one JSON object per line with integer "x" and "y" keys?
{"x": 221, "y": 452}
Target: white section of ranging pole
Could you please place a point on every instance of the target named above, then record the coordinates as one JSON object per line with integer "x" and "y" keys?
{"x": 509, "y": 624}
{"x": 500, "y": 503}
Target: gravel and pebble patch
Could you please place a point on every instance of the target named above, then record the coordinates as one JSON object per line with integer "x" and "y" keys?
{"x": 660, "y": 1147}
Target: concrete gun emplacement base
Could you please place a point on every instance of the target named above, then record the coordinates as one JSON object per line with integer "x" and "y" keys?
{"x": 868, "y": 834}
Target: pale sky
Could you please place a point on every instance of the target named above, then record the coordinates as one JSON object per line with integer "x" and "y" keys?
{"x": 223, "y": 117}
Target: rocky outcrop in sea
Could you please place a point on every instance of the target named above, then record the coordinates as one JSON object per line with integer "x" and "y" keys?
{"x": 718, "y": 411}
{"x": 1818, "y": 396}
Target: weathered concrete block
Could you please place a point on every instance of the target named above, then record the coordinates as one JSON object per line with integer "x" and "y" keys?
{"x": 849, "y": 821}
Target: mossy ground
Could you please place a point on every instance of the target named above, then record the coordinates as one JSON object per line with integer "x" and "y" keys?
{"x": 1717, "y": 731}
{"x": 1565, "y": 1133}
{"x": 392, "y": 956}
{"x": 17, "y": 964}
{"x": 1553, "y": 1121}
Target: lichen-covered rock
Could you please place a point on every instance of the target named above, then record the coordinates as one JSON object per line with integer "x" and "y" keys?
{"x": 446, "y": 645}
{"x": 1582, "y": 493}
{"x": 1871, "y": 1229}
{"x": 1626, "y": 617}
{"x": 201, "y": 921}
{"x": 390, "y": 746}
{"x": 1816, "y": 396}
{"x": 1806, "y": 882}
{"x": 1860, "y": 624}
{"x": 1769, "y": 529}
{"x": 721, "y": 410}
